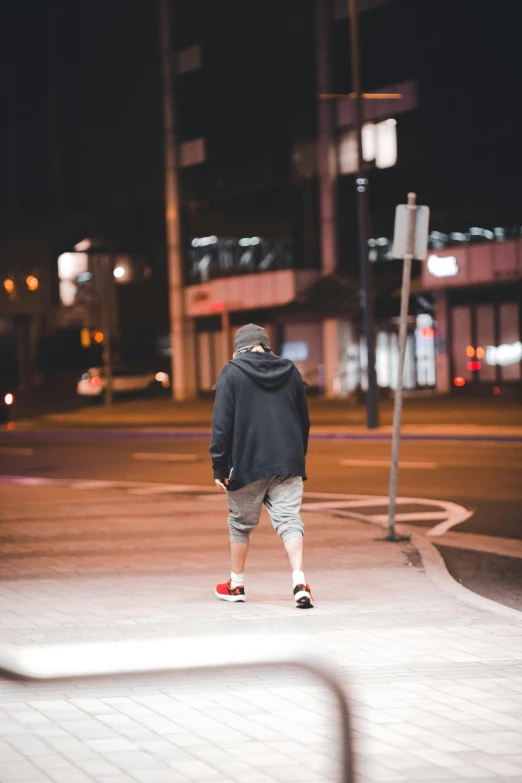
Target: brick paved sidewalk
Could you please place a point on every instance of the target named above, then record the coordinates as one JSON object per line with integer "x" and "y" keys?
{"x": 436, "y": 685}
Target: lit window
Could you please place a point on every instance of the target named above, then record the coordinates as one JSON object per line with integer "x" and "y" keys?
{"x": 70, "y": 265}
{"x": 386, "y": 144}
{"x": 348, "y": 153}
{"x": 379, "y": 141}
{"x": 368, "y": 141}
{"x": 193, "y": 152}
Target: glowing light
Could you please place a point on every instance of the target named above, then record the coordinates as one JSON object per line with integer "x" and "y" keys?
{"x": 68, "y": 292}
{"x": 385, "y": 144}
{"x": 85, "y": 338}
{"x": 427, "y": 332}
{"x": 98, "y": 337}
{"x": 119, "y": 272}
{"x": 32, "y": 283}
{"x": 481, "y": 232}
{"x": 480, "y": 352}
{"x": 443, "y": 266}
{"x": 496, "y": 390}
{"x": 95, "y": 381}
{"x": 9, "y": 399}
{"x": 459, "y": 381}
{"x": 70, "y": 265}
{"x": 85, "y": 244}
{"x": 368, "y": 141}
{"x": 161, "y": 376}
{"x": 474, "y": 366}
{"x": 504, "y": 354}
{"x": 204, "y": 241}
{"x": 470, "y": 351}
{"x": 248, "y": 241}
{"x": 9, "y": 285}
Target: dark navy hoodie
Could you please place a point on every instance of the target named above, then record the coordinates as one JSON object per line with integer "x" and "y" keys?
{"x": 260, "y": 424}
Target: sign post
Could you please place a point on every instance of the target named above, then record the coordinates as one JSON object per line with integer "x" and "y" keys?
{"x": 410, "y": 240}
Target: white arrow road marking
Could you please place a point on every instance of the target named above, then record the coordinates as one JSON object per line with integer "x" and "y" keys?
{"x": 448, "y": 514}
{"x": 165, "y": 457}
{"x": 16, "y": 452}
{"x": 382, "y": 463}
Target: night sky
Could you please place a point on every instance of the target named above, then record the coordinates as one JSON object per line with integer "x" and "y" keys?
{"x": 82, "y": 113}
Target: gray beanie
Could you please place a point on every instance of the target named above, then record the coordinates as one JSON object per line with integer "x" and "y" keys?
{"x": 247, "y": 337}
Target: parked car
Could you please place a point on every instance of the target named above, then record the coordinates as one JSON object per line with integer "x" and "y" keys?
{"x": 125, "y": 380}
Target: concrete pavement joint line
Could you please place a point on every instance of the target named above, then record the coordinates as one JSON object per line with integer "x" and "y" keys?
{"x": 378, "y": 463}
{"x": 436, "y": 570}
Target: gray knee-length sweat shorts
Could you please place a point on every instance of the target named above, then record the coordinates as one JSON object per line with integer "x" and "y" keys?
{"x": 282, "y": 496}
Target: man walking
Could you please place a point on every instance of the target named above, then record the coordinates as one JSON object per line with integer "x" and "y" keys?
{"x": 260, "y": 433}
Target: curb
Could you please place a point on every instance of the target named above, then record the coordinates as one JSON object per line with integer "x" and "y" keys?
{"x": 436, "y": 570}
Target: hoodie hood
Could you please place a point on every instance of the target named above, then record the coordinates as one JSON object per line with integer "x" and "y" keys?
{"x": 266, "y": 369}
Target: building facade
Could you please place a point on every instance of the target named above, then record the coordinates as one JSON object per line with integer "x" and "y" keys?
{"x": 262, "y": 242}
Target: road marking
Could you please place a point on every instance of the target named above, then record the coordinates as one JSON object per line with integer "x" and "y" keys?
{"x": 452, "y": 513}
{"x": 93, "y": 484}
{"x": 378, "y": 463}
{"x": 446, "y": 510}
{"x": 165, "y": 457}
{"x": 412, "y": 516}
{"x": 16, "y": 452}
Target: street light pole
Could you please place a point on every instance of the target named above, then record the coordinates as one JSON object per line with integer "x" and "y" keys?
{"x": 372, "y": 411}
{"x": 172, "y": 216}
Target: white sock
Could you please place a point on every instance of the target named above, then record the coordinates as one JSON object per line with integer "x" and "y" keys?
{"x": 237, "y": 580}
{"x": 298, "y": 578}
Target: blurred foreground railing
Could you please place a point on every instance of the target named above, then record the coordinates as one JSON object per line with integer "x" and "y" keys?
{"x": 199, "y": 654}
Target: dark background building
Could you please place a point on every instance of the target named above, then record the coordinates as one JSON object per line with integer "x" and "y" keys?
{"x": 81, "y": 148}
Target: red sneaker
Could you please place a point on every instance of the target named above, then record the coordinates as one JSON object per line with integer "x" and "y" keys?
{"x": 226, "y": 593}
{"x": 303, "y": 597}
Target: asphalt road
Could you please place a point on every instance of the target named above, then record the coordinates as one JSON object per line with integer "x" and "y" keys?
{"x": 484, "y": 477}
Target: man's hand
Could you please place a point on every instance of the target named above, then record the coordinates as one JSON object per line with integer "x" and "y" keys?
{"x": 223, "y": 484}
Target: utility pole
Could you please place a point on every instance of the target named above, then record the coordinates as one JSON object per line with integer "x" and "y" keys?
{"x": 410, "y": 241}
{"x": 107, "y": 317}
{"x": 172, "y": 215}
{"x": 372, "y": 410}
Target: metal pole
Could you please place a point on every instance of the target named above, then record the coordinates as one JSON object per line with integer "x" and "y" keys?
{"x": 372, "y": 411}
{"x": 172, "y": 218}
{"x": 397, "y": 411}
{"x": 106, "y": 281}
{"x": 204, "y": 654}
